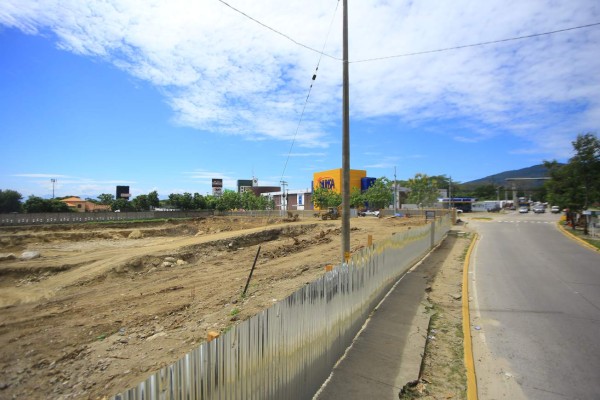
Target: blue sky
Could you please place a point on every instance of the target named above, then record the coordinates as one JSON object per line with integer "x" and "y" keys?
{"x": 167, "y": 95}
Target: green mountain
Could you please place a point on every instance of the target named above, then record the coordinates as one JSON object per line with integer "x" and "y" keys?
{"x": 536, "y": 171}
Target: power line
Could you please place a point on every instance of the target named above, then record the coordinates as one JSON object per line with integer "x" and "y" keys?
{"x": 418, "y": 53}
{"x": 278, "y": 32}
{"x": 314, "y": 77}
{"x": 475, "y": 44}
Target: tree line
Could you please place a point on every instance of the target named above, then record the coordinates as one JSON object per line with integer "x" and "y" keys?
{"x": 11, "y": 201}
{"x": 574, "y": 185}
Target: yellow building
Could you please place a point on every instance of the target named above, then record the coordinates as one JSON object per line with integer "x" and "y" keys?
{"x": 332, "y": 179}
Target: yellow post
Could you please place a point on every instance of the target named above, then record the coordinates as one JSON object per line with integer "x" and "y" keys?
{"x": 370, "y": 240}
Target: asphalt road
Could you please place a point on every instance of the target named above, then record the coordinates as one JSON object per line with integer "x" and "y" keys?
{"x": 536, "y": 297}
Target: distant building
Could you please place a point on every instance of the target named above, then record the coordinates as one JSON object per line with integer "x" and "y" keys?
{"x": 258, "y": 190}
{"x": 75, "y": 203}
{"x": 244, "y": 185}
{"x": 332, "y": 179}
{"x": 291, "y": 200}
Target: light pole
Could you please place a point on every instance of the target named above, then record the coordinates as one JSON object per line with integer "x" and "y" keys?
{"x": 53, "y": 180}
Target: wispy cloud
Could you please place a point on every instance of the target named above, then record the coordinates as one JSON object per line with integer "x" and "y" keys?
{"x": 305, "y": 155}
{"x": 39, "y": 176}
{"x": 205, "y": 177}
{"x": 221, "y": 72}
{"x": 68, "y": 185}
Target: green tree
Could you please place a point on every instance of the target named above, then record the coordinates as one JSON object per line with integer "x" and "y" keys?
{"x": 183, "y": 201}
{"x": 586, "y": 163}
{"x": 58, "y": 206}
{"x": 323, "y": 198}
{"x": 10, "y": 201}
{"x": 380, "y": 194}
{"x": 357, "y": 199}
{"x": 153, "y": 200}
{"x": 35, "y": 204}
{"x": 199, "y": 201}
{"x": 576, "y": 185}
{"x": 211, "y": 202}
{"x": 141, "y": 203}
{"x": 106, "y": 199}
{"x": 229, "y": 200}
{"x": 423, "y": 190}
{"x": 250, "y": 201}
{"x": 121, "y": 205}
{"x": 485, "y": 192}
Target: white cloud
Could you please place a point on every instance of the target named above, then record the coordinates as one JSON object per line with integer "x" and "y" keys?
{"x": 66, "y": 185}
{"x": 222, "y": 72}
{"x": 304, "y": 155}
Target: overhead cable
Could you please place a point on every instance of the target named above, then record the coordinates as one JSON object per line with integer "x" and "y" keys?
{"x": 475, "y": 44}
{"x": 314, "y": 77}
{"x": 418, "y": 53}
{"x": 279, "y": 33}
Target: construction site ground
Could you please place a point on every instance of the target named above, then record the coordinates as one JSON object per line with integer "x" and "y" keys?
{"x": 105, "y": 305}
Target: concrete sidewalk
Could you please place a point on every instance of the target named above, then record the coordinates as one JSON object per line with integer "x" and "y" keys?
{"x": 387, "y": 354}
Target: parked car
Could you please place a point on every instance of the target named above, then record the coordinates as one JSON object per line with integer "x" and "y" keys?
{"x": 555, "y": 209}
{"x": 539, "y": 210}
{"x": 523, "y": 210}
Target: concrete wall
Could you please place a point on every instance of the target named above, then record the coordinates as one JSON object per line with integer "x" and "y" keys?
{"x": 71, "y": 218}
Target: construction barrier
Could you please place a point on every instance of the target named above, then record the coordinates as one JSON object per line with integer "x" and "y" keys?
{"x": 288, "y": 350}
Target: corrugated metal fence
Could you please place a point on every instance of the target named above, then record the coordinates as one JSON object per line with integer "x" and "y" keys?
{"x": 289, "y": 350}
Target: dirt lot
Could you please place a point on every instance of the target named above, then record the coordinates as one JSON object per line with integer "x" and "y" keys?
{"x": 107, "y": 304}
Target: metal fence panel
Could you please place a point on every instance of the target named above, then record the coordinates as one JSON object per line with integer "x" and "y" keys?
{"x": 288, "y": 350}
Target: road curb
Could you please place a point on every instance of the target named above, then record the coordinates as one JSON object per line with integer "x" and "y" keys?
{"x": 468, "y": 345}
{"x": 577, "y": 239}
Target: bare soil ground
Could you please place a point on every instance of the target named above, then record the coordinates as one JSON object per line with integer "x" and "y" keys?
{"x": 107, "y": 304}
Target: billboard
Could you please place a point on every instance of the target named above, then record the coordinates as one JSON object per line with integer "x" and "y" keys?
{"x": 217, "y": 187}
{"x": 123, "y": 192}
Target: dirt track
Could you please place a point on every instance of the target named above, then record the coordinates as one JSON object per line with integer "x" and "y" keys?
{"x": 105, "y": 305}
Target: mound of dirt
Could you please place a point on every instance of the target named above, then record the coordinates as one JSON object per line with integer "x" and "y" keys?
{"x": 99, "y": 311}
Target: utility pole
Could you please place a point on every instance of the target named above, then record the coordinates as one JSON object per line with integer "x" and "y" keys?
{"x": 395, "y": 192}
{"x": 450, "y": 193}
{"x": 283, "y": 196}
{"x": 345, "y": 142}
{"x": 53, "y": 180}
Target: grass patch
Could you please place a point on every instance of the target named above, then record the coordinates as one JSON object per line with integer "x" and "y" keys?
{"x": 463, "y": 255}
{"x": 235, "y": 311}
